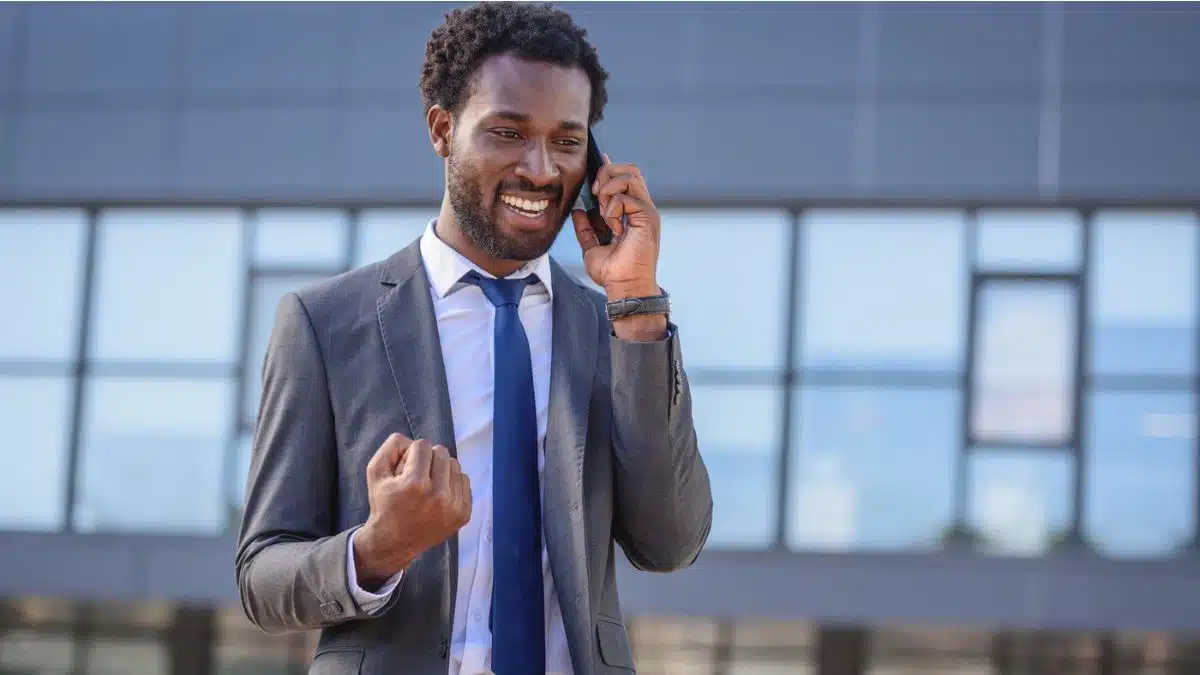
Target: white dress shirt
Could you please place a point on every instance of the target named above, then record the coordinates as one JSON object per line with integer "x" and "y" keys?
{"x": 465, "y": 320}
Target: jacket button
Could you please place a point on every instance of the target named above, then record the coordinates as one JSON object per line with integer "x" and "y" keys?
{"x": 443, "y": 648}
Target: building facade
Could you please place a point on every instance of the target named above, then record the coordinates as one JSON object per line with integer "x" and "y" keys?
{"x": 948, "y": 400}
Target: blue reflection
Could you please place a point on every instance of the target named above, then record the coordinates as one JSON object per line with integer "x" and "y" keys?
{"x": 883, "y": 290}
{"x": 34, "y": 413}
{"x": 1140, "y": 485}
{"x": 41, "y": 273}
{"x": 738, "y": 430}
{"x": 1143, "y": 293}
{"x": 873, "y": 468}
{"x": 1020, "y": 500}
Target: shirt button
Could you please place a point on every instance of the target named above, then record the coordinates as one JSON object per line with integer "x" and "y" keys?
{"x": 478, "y": 617}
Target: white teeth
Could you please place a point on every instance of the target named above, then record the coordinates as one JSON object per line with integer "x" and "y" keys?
{"x": 526, "y": 204}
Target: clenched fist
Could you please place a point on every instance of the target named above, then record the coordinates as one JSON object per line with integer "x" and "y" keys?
{"x": 419, "y": 496}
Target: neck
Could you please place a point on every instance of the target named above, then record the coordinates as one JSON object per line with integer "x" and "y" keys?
{"x": 448, "y": 231}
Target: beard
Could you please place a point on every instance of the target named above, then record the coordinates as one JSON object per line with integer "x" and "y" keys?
{"x": 482, "y": 228}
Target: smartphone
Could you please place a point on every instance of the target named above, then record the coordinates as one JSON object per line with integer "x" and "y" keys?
{"x": 595, "y": 160}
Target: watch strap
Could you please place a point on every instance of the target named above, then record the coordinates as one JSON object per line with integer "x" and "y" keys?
{"x": 626, "y": 307}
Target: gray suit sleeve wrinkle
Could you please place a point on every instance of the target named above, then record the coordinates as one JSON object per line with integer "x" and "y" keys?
{"x": 663, "y": 495}
{"x": 291, "y": 564}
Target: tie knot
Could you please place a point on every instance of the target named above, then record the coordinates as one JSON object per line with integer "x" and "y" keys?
{"x": 501, "y": 291}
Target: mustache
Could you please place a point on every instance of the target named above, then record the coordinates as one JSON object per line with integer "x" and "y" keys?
{"x": 552, "y": 191}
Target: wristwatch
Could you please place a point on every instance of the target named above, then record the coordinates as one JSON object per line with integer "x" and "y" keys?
{"x": 651, "y": 304}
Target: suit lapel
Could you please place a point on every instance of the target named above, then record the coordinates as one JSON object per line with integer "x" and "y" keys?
{"x": 409, "y": 329}
{"x": 572, "y": 370}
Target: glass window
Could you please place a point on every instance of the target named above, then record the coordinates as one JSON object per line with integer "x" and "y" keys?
{"x": 738, "y": 432}
{"x": 1140, "y": 483}
{"x": 1143, "y": 293}
{"x": 1024, "y": 363}
{"x": 1017, "y": 240}
{"x": 382, "y": 232}
{"x": 168, "y": 286}
{"x": 239, "y": 474}
{"x": 872, "y": 468}
{"x": 300, "y": 236}
{"x": 35, "y": 416}
{"x": 153, "y": 456}
{"x": 41, "y": 276}
{"x": 727, "y": 273}
{"x": 1020, "y": 502}
{"x": 883, "y": 290}
{"x": 267, "y": 292}
{"x": 111, "y": 655}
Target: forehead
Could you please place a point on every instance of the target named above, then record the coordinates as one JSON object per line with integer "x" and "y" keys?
{"x": 543, "y": 91}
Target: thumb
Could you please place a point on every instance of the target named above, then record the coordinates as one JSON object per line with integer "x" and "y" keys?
{"x": 584, "y": 232}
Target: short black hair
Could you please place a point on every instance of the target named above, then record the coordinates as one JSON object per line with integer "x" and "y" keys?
{"x": 533, "y": 31}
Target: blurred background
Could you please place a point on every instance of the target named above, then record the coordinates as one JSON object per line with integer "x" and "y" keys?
{"x": 935, "y": 267}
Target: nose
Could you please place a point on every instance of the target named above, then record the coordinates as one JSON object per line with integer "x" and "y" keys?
{"x": 537, "y": 165}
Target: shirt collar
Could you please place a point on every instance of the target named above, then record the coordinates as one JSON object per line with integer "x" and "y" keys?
{"x": 446, "y": 267}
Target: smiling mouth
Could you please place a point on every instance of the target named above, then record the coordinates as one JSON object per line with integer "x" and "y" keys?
{"x": 531, "y": 208}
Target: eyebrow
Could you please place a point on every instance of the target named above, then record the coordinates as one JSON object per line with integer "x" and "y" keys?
{"x": 567, "y": 125}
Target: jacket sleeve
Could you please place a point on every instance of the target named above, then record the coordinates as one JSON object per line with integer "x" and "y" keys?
{"x": 291, "y": 563}
{"x": 663, "y": 497}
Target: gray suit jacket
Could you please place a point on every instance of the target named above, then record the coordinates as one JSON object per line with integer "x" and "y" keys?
{"x": 357, "y": 357}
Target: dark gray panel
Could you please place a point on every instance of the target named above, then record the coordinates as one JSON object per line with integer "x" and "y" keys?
{"x": 1064, "y": 592}
{"x": 956, "y": 149}
{"x": 386, "y": 153}
{"x": 777, "y": 45}
{"x": 83, "y": 153}
{"x": 249, "y": 152}
{"x": 771, "y": 150}
{"x": 388, "y": 43}
{"x": 1134, "y": 149}
{"x": 643, "y": 48}
{"x": 997, "y": 48}
{"x": 1109, "y": 46}
{"x": 8, "y": 44}
{"x": 262, "y": 46}
{"x": 100, "y": 47}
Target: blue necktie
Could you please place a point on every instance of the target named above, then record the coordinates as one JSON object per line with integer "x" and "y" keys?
{"x": 518, "y": 613}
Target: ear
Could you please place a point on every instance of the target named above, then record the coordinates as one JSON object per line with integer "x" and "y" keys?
{"x": 441, "y": 130}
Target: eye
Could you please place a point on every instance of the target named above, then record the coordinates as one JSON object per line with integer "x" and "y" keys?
{"x": 507, "y": 134}
{"x": 570, "y": 142}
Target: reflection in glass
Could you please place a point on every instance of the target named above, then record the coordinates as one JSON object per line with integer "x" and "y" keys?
{"x": 883, "y": 290}
{"x": 300, "y": 236}
{"x": 382, "y": 232}
{"x": 125, "y": 655}
{"x": 168, "y": 285}
{"x": 1020, "y": 501}
{"x": 1140, "y": 485}
{"x": 872, "y": 468}
{"x": 1019, "y": 240}
{"x": 35, "y": 417}
{"x": 153, "y": 455}
{"x": 1143, "y": 293}
{"x": 730, "y": 272}
{"x": 738, "y": 430}
{"x": 267, "y": 292}
{"x": 41, "y": 270}
{"x": 1024, "y": 363}
{"x": 29, "y": 652}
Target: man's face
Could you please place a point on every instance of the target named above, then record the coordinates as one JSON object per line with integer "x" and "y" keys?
{"x": 517, "y": 155}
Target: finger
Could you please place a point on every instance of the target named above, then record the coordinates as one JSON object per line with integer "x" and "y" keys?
{"x": 439, "y": 469}
{"x": 416, "y": 461}
{"x": 383, "y": 463}
{"x": 620, "y": 206}
{"x": 626, "y": 183}
{"x": 465, "y": 500}
{"x": 585, "y": 234}
{"x": 609, "y": 171}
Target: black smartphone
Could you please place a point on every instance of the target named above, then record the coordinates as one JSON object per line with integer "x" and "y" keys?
{"x": 595, "y": 160}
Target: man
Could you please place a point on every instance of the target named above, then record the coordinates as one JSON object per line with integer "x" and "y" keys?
{"x": 451, "y": 440}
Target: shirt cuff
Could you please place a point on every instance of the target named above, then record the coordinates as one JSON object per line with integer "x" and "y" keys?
{"x": 368, "y": 601}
